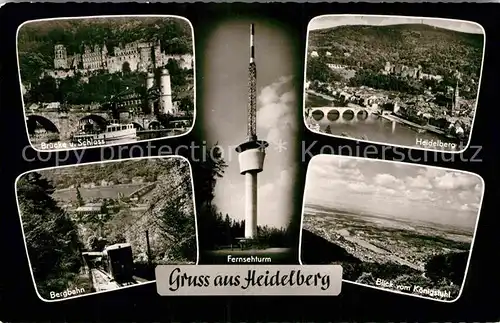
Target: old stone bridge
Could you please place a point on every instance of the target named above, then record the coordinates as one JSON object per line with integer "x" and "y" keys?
{"x": 349, "y": 113}
{"x": 65, "y": 123}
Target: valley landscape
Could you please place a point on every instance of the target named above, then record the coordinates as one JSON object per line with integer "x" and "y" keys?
{"x": 393, "y": 79}
{"x": 393, "y": 249}
{"x": 396, "y": 226}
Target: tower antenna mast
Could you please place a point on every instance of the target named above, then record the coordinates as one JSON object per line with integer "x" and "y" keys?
{"x": 252, "y": 95}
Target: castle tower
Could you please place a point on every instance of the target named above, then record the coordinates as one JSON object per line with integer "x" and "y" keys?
{"x": 144, "y": 59}
{"x": 165, "y": 93}
{"x": 104, "y": 57}
{"x": 157, "y": 56}
{"x": 60, "y": 57}
{"x": 150, "y": 80}
{"x": 252, "y": 151}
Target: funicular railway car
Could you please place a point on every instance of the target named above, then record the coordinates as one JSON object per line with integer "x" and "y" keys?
{"x": 118, "y": 262}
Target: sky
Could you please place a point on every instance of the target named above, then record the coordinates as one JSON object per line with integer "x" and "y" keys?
{"x": 395, "y": 189}
{"x": 225, "y": 97}
{"x": 329, "y": 21}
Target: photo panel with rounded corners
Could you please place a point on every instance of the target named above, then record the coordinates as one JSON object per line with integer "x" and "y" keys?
{"x": 404, "y": 81}
{"x": 103, "y": 226}
{"x": 393, "y": 226}
{"x": 253, "y": 211}
{"x": 106, "y": 80}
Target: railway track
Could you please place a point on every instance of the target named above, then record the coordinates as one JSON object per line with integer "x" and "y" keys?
{"x": 102, "y": 281}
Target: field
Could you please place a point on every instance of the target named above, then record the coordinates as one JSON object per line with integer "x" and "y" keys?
{"x": 372, "y": 247}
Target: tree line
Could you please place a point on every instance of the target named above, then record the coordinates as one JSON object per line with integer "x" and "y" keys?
{"x": 445, "y": 272}
{"x": 219, "y": 231}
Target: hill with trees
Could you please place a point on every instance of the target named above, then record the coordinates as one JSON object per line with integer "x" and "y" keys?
{"x": 439, "y": 51}
{"x": 36, "y": 40}
{"x": 52, "y": 240}
{"x": 168, "y": 218}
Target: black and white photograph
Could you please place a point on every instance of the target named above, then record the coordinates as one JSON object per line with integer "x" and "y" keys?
{"x": 250, "y": 118}
{"x": 99, "y": 81}
{"x": 409, "y": 82}
{"x": 103, "y": 226}
{"x": 395, "y": 226}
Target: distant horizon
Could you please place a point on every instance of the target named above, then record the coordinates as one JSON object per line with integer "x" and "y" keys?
{"x": 335, "y": 21}
{"x": 381, "y": 215}
{"x": 399, "y": 190}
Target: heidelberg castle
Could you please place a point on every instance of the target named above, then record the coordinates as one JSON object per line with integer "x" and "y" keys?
{"x": 136, "y": 56}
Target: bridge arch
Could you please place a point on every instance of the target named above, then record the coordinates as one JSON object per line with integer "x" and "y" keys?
{"x": 138, "y": 126}
{"x": 37, "y": 121}
{"x": 318, "y": 115}
{"x": 155, "y": 124}
{"x": 97, "y": 119}
{"x": 362, "y": 114}
{"x": 333, "y": 115}
{"x": 348, "y": 115}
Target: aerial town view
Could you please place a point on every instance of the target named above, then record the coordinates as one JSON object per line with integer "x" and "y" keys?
{"x": 410, "y": 82}
{"x": 106, "y": 80}
{"x": 395, "y": 226}
{"x": 104, "y": 226}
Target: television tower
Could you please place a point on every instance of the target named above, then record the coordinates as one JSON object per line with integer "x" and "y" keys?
{"x": 253, "y": 151}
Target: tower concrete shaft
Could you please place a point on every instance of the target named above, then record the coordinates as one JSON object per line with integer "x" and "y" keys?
{"x": 251, "y": 159}
{"x": 166, "y": 93}
{"x": 251, "y": 152}
{"x": 250, "y": 204}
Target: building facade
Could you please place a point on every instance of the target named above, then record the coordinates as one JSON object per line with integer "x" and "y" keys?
{"x": 135, "y": 56}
